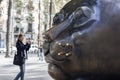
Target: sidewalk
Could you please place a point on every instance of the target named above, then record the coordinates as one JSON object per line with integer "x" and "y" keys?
{"x": 35, "y": 69}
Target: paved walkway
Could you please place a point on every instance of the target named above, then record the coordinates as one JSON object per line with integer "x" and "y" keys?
{"x": 35, "y": 69}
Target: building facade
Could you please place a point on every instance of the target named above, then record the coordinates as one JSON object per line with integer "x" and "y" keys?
{"x": 21, "y": 23}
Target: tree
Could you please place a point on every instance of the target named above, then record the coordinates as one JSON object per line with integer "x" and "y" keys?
{"x": 30, "y": 6}
{"x": 0, "y": 1}
{"x": 30, "y": 20}
{"x": 18, "y": 6}
{"x": 30, "y": 17}
{"x": 8, "y": 28}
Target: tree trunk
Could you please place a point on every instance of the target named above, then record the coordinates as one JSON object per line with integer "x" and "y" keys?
{"x": 50, "y": 10}
{"x": 8, "y": 29}
{"x": 0, "y": 1}
{"x": 39, "y": 6}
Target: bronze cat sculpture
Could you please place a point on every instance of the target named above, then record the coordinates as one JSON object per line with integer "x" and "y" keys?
{"x": 84, "y": 41}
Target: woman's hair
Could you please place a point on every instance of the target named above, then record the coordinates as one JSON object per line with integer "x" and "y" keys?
{"x": 19, "y": 36}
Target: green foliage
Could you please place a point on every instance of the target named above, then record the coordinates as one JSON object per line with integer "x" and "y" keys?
{"x": 18, "y": 20}
{"x": 30, "y": 6}
{"x": 18, "y": 6}
{"x": 58, "y": 4}
{"x": 30, "y": 18}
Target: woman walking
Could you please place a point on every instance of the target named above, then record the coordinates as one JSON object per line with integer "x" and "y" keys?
{"x": 21, "y": 51}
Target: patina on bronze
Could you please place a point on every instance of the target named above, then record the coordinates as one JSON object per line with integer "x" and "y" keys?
{"x": 84, "y": 41}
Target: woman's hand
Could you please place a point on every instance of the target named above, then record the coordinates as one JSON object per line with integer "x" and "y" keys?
{"x": 28, "y": 42}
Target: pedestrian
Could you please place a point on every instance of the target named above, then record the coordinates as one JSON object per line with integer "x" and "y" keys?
{"x": 41, "y": 54}
{"x": 21, "y": 51}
